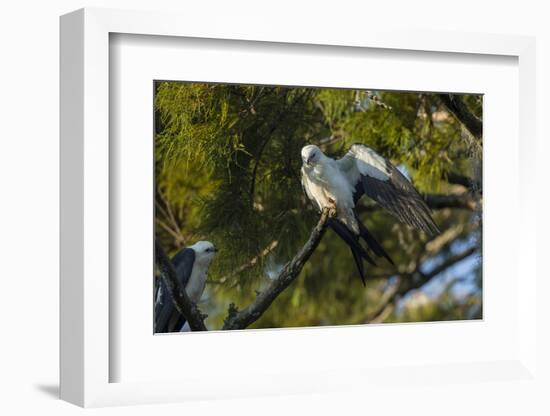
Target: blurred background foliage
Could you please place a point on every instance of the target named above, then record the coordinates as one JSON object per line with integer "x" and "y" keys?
{"x": 228, "y": 171}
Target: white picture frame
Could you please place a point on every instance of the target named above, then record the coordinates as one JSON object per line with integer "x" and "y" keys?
{"x": 86, "y": 356}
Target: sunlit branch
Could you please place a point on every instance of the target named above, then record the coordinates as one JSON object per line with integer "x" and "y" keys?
{"x": 242, "y": 319}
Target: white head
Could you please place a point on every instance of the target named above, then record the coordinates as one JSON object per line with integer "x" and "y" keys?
{"x": 204, "y": 251}
{"x": 311, "y": 155}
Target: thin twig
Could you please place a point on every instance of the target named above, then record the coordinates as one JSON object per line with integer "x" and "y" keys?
{"x": 250, "y": 263}
{"x": 169, "y": 215}
{"x": 169, "y": 230}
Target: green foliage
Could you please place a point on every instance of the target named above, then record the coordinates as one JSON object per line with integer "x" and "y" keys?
{"x": 227, "y": 170}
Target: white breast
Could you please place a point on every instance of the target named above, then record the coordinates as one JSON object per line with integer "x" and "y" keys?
{"x": 326, "y": 182}
{"x": 197, "y": 281}
{"x": 336, "y": 186}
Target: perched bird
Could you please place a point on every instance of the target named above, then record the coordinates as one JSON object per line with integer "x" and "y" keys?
{"x": 339, "y": 184}
{"x": 191, "y": 266}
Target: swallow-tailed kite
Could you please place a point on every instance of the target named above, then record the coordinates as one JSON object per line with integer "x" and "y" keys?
{"x": 339, "y": 184}
{"x": 191, "y": 266}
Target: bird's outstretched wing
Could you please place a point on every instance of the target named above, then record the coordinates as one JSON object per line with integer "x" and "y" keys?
{"x": 167, "y": 318}
{"x": 359, "y": 253}
{"x": 375, "y": 176}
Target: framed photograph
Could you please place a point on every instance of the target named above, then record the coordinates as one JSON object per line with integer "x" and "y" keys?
{"x": 251, "y": 167}
{"x": 279, "y": 213}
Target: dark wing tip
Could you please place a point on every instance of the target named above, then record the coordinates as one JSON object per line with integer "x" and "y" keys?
{"x": 359, "y": 264}
{"x": 399, "y": 197}
{"x": 374, "y": 245}
{"x": 357, "y": 250}
{"x": 424, "y": 215}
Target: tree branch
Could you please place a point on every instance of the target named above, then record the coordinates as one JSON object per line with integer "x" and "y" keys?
{"x": 457, "y": 107}
{"x": 413, "y": 281}
{"x": 182, "y": 303}
{"x": 458, "y": 179}
{"x": 172, "y": 226}
{"x": 464, "y": 200}
{"x": 242, "y": 319}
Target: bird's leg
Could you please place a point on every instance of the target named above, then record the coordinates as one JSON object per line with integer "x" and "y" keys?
{"x": 331, "y": 207}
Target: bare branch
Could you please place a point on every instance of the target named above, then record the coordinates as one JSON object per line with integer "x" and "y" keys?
{"x": 372, "y": 97}
{"x": 451, "y": 261}
{"x": 410, "y": 282}
{"x": 335, "y": 137}
{"x": 376, "y": 99}
{"x": 458, "y": 179}
{"x": 458, "y": 108}
{"x": 242, "y": 319}
{"x": 385, "y": 312}
{"x": 169, "y": 230}
{"x": 463, "y": 200}
{"x": 182, "y": 303}
{"x": 389, "y": 298}
{"x": 437, "y": 243}
{"x": 174, "y": 229}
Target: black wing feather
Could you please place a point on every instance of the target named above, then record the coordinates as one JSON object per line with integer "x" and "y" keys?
{"x": 359, "y": 264}
{"x": 167, "y": 318}
{"x": 400, "y": 198}
{"x": 372, "y": 243}
{"x": 357, "y": 251}
{"x": 183, "y": 264}
{"x": 349, "y": 238}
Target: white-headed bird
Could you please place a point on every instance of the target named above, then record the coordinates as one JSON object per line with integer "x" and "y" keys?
{"x": 191, "y": 266}
{"x": 339, "y": 184}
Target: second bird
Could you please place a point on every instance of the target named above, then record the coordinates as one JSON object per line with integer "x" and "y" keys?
{"x": 191, "y": 267}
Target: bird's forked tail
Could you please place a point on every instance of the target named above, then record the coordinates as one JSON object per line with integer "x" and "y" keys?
{"x": 357, "y": 250}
